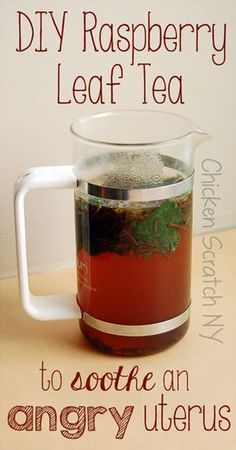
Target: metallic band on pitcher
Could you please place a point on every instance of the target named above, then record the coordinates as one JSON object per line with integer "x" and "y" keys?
{"x": 141, "y": 195}
{"x": 137, "y": 330}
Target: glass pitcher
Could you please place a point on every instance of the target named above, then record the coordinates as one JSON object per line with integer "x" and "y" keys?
{"x": 132, "y": 181}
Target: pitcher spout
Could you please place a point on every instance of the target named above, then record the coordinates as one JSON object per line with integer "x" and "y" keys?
{"x": 190, "y": 142}
{"x": 195, "y": 138}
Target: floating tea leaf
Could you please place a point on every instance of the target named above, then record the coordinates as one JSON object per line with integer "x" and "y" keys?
{"x": 157, "y": 229}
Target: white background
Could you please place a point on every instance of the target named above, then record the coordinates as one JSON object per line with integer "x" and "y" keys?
{"x": 35, "y": 129}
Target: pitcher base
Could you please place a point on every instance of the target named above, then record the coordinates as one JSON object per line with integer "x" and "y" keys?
{"x": 132, "y": 346}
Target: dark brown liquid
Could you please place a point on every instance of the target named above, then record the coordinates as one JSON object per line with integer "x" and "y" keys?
{"x": 129, "y": 277}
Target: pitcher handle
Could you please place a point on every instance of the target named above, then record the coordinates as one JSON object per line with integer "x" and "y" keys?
{"x": 53, "y": 307}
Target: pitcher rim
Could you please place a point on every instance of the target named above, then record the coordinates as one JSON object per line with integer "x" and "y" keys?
{"x": 193, "y": 127}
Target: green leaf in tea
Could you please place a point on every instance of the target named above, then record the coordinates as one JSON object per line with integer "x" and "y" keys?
{"x": 157, "y": 229}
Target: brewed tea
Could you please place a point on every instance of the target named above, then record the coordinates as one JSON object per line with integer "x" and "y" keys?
{"x": 133, "y": 263}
